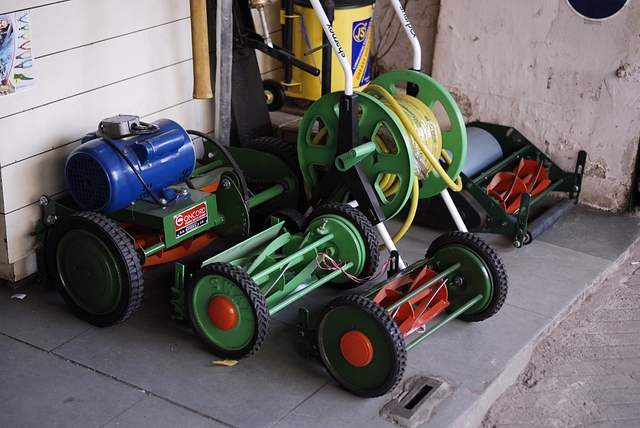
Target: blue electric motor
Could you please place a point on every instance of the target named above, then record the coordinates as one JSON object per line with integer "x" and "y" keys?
{"x": 106, "y": 173}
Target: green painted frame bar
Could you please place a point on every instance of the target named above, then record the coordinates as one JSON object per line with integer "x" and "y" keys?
{"x": 445, "y": 321}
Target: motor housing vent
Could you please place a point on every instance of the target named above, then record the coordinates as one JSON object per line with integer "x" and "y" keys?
{"x": 105, "y": 174}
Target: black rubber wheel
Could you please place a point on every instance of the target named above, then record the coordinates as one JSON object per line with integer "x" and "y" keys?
{"x": 274, "y": 94}
{"x": 227, "y": 311}
{"x": 293, "y": 220}
{"x": 367, "y": 233}
{"x": 287, "y": 153}
{"x": 95, "y": 268}
{"x": 361, "y": 346}
{"x": 482, "y": 272}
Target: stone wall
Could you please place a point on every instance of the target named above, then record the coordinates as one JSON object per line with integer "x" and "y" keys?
{"x": 564, "y": 82}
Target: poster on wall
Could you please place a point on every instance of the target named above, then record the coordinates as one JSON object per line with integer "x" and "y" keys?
{"x": 16, "y": 57}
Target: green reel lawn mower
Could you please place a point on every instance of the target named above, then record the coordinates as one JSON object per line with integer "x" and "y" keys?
{"x": 376, "y": 150}
{"x": 141, "y": 195}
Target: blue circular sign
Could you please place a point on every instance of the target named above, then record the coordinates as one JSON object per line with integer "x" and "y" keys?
{"x": 597, "y": 9}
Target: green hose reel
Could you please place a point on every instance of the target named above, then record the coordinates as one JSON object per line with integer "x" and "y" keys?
{"x": 385, "y": 142}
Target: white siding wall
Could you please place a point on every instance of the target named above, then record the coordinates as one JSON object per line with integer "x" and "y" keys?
{"x": 93, "y": 59}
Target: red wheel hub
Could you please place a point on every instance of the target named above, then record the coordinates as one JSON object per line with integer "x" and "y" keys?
{"x": 356, "y": 348}
{"x": 222, "y": 313}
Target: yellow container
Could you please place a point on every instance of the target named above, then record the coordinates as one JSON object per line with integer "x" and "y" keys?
{"x": 352, "y": 25}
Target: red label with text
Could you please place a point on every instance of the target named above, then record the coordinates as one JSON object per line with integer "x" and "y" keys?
{"x": 191, "y": 219}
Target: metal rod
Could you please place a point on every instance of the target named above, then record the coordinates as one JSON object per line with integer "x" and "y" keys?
{"x": 295, "y": 296}
{"x": 448, "y": 319}
{"x": 289, "y": 286}
{"x": 153, "y": 249}
{"x": 206, "y": 168}
{"x": 548, "y": 190}
{"x": 502, "y": 163}
{"x": 420, "y": 289}
{"x": 264, "y": 196}
{"x": 327, "y": 58}
{"x": 287, "y": 38}
{"x": 290, "y": 259}
{"x": 406, "y": 271}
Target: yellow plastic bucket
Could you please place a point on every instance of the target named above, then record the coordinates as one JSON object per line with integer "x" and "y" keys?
{"x": 352, "y": 25}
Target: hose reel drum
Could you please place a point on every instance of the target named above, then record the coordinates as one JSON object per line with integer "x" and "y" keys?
{"x": 389, "y": 139}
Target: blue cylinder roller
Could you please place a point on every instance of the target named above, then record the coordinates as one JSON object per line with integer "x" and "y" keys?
{"x": 109, "y": 170}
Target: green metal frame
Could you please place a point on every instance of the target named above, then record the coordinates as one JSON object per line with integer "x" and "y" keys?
{"x": 227, "y": 209}
{"x": 516, "y": 146}
{"x": 284, "y": 265}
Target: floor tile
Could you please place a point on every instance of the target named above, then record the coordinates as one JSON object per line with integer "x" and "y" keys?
{"x": 590, "y": 231}
{"x": 41, "y": 389}
{"x": 156, "y": 412}
{"x": 30, "y": 319}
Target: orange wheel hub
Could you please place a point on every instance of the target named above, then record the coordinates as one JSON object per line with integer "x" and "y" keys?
{"x": 356, "y": 348}
{"x": 222, "y": 313}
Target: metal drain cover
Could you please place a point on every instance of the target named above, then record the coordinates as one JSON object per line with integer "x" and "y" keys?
{"x": 415, "y": 405}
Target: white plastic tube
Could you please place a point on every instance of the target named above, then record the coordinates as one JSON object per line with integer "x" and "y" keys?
{"x": 335, "y": 45}
{"x": 446, "y": 197}
{"x": 386, "y": 238}
{"x": 408, "y": 29}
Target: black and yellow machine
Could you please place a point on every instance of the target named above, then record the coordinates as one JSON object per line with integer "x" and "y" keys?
{"x": 352, "y": 23}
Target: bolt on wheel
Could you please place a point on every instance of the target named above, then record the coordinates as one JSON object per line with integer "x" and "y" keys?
{"x": 227, "y": 311}
{"x": 361, "y": 346}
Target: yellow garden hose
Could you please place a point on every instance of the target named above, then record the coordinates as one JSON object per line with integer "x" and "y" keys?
{"x": 425, "y": 138}
{"x": 404, "y": 105}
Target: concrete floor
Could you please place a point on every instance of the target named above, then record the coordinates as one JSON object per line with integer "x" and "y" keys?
{"x": 152, "y": 371}
{"x": 585, "y": 373}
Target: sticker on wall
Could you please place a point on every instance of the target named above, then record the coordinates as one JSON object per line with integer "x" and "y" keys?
{"x": 16, "y": 55}
{"x": 597, "y": 10}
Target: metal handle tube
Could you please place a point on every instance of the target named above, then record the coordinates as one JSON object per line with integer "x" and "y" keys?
{"x": 335, "y": 45}
{"x": 411, "y": 34}
{"x": 446, "y": 197}
{"x": 224, "y": 71}
{"x": 265, "y": 29}
{"x": 388, "y": 241}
